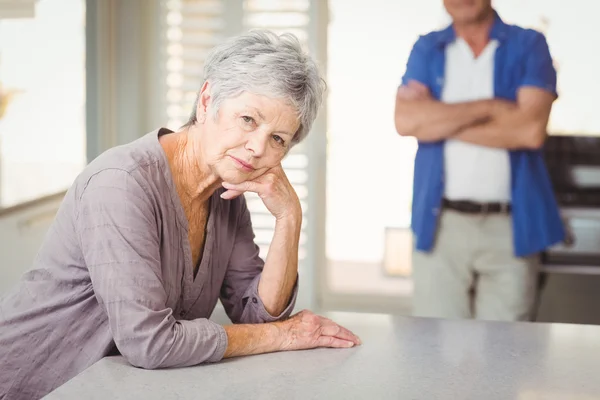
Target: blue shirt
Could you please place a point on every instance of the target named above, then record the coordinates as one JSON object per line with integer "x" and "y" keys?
{"x": 522, "y": 59}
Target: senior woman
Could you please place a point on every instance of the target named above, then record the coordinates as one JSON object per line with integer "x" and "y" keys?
{"x": 153, "y": 233}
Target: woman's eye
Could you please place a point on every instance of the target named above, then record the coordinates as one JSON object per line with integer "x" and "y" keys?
{"x": 247, "y": 119}
{"x": 279, "y": 140}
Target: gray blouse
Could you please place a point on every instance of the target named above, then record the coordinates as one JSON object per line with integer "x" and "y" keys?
{"x": 115, "y": 273}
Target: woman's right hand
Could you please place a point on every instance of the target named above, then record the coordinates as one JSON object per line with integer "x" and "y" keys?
{"x": 306, "y": 330}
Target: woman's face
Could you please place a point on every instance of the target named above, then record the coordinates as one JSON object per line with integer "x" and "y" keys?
{"x": 249, "y": 135}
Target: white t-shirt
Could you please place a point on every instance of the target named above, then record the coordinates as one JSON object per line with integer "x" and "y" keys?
{"x": 473, "y": 172}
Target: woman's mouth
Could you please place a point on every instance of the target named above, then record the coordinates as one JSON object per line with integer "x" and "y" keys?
{"x": 242, "y": 164}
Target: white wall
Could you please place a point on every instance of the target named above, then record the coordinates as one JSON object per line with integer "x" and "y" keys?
{"x": 21, "y": 235}
{"x": 369, "y": 167}
{"x": 121, "y": 84}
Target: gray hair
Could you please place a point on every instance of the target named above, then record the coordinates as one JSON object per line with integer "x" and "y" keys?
{"x": 264, "y": 63}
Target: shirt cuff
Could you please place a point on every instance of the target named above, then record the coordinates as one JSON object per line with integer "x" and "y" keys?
{"x": 253, "y": 300}
{"x": 221, "y": 343}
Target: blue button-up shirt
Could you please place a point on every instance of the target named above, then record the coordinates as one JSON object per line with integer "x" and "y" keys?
{"x": 522, "y": 59}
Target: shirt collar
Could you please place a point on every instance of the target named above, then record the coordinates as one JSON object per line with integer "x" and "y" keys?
{"x": 499, "y": 31}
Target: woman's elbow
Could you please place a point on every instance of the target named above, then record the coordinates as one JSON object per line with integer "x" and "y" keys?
{"x": 144, "y": 361}
{"x": 139, "y": 356}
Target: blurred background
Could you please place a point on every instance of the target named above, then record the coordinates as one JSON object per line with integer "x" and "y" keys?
{"x": 80, "y": 76}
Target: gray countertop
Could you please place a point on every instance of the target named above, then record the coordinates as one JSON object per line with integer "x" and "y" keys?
{"x": 401, "y": 358}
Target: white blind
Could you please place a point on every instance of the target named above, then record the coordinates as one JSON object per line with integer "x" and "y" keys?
{"x": 193, "y": 27}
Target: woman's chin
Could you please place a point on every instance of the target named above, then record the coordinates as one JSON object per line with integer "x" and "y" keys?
{"x": 235, "y": 177}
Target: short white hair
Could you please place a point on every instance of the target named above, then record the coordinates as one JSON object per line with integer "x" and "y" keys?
{"x": 267, "y": 64}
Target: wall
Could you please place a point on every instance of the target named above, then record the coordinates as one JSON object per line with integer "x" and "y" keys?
{"x": 22, "y": 230}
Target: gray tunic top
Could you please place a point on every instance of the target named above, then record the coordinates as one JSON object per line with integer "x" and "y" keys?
{"x": 115, "y": 273}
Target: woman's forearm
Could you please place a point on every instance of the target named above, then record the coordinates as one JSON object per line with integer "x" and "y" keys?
{"x": 245, "y": 340}
{"x": 281, "y": 266}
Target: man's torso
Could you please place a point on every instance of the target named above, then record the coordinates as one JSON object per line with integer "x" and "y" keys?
{"x": 473, "y": 172}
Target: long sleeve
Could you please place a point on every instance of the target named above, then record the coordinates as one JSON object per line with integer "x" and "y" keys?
{"x": 118, "y": 233}
{"x": 239, "y": 293}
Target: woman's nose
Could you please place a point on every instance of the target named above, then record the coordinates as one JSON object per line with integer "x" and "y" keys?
{"x": 257, "y": 144}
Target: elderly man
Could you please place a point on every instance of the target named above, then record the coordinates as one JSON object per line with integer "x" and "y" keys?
{"x": 477, "y": 96}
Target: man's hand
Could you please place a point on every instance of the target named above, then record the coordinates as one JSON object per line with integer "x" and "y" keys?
{"x": 501, "y": 108}
{"x": 520, "y": 125}
{"x": 274, "y": 189}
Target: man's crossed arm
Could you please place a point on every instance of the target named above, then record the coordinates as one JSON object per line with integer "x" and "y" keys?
{"x": 492, "y": 123}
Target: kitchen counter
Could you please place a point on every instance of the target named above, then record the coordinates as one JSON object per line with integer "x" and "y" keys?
{"x": 401, "y": 358}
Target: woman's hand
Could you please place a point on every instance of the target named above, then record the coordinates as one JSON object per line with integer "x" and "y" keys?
{"x": 274, "y": 189}
{"x": 306, "y": 330}
{"x": 302, "y": 331}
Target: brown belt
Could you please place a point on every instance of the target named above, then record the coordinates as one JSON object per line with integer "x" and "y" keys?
{"x": 471, "y": 207}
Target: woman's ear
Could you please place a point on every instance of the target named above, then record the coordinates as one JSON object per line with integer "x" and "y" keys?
{"x": 204, "y": 99}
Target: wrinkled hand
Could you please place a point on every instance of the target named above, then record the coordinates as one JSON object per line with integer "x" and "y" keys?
{"x": 306, "y": 330}
{"x": 274, "y": 189}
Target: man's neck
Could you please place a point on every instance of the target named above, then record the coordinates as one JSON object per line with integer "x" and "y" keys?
{"x": 477, "y": 33}
{"x": 194, "y": 180}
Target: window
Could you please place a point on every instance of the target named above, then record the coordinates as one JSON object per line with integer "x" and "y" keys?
{"x": 42, "y": 99}
{"x": 369, "y": 167}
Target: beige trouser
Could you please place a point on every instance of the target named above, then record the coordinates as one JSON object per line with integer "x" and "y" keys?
{"x": 472, "y": 271}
